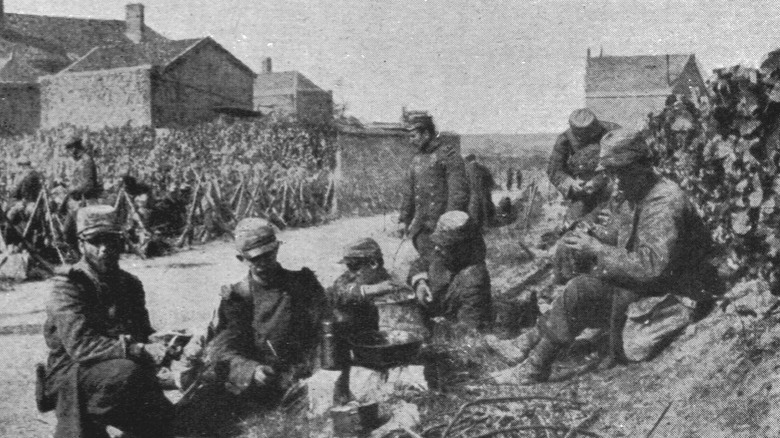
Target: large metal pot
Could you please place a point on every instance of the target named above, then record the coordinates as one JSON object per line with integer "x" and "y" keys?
{"x": 384, "y": 348}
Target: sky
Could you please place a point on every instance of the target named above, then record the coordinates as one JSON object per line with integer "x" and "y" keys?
{"x": 478, "y": 66}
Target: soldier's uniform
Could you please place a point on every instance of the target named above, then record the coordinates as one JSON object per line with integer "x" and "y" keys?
{"x": 273, "y": 323}
{"x": 659, "y": 245}
{"x": 575, "y": 157}
{"x": 461, "y": 292}
{"x": 25, "y": 192}
{"x": 435, "y": 183}
{"x": 481, "y": 183}
{"x": 93, "y": 372}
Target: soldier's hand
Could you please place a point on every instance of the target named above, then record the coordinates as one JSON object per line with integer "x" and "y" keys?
{"x": 263, "y": 375}
{"x": 577, "y": 186}
{"x": 603, "y": 217}
{"x": 581, "y": 242}
{"x": 423, "y": 293}
{"x": 155, "y": 352}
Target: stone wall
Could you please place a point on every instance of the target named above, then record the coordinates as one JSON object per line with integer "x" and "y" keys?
{"x": 187, "y": 91}
{"x": 96, "y": 99}
{"x": 20, "y": 108}
{"x": 315, "y": 106}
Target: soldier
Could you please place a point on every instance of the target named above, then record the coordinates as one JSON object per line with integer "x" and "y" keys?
{"x": 572, "y": 164}
{"x": 436, "y": 182}
{"x": 656, "y": 244}
{"x": 461, "y": 293}
{"x": 265, "y": 333}
{"x": 481, "y": 183}
{"x": 84, "y": 187}
{"x": 100, "y": 369}
{"x": 28, "y": 186}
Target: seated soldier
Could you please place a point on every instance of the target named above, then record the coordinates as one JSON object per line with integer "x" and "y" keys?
{"x": 27, "y": 186}
{"x": 263, "y": 339}
{"x": 658, "y": 245}
{"x": 461, "y": 292}
{"x": 101, "y": 368}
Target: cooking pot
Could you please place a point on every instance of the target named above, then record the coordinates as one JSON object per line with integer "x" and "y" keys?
{"x": 384, "y": 348}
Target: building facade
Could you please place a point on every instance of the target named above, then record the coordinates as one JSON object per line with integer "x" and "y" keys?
{"x": 624, "y": 89}
{"x": 291, "y": 93}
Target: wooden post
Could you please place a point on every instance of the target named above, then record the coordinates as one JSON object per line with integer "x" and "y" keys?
{"x": 188, "y": 224}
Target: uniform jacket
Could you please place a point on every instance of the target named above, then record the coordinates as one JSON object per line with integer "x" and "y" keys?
{"x": 461, "y": 293}
{"x": 84, "y": 180}
{"x": 89, "y": 319}
{"x": 28, "y": 186}
{"x": 573, "y": 159}
{"x": 481, "y": 183}
{"x": 435, "y": 183}
{"x": 275, "y": 325}
{"x": 662, "y": 245}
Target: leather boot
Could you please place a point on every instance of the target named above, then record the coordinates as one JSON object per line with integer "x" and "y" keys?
{"x": 535, "y": 369}
{"x": 514, "y": 350}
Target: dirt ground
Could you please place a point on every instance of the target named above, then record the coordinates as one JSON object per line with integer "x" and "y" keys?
{"x": 182, "y": 291}
{"x": 718, "y": 379}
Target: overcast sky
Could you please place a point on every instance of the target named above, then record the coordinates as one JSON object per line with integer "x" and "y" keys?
{"x": 479, "y": 66}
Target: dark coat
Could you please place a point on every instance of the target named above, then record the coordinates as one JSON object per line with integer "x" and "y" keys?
{"x": 275, "y": 325}
{"x": 573, "y": 159}
{"x": 481, "y": 183}
{"x": 28, "y": 187}
{"x": 435, "y": 183}
{"x": 84, "y": 182}
{"x": 89, "y": 320}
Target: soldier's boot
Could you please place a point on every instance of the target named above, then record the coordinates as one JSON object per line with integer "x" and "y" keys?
{"x": 517, "y": 349}
{"x": 535, "y": 369}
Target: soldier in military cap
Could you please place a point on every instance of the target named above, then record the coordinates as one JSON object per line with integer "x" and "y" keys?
{"x": 83, "y": 188}
{"x": 265, "y": 332}
{"x": 572, "y": 164}
{"x": 653, "y": 243}
{"x": 101, "y": 367}
{"x": 460, "y": 294}
{"x": 435, "y": 183}
{"x": 481, "y": 184}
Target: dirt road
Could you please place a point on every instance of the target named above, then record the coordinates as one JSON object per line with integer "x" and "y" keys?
{"x": 182, "y": 291}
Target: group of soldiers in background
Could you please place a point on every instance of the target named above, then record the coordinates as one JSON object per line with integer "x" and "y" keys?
{"x": 631, "y": 236}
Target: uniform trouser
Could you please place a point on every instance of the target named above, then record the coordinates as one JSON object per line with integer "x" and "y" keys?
{"x": 118, "y": 393}
{"x": 588, "y": 302}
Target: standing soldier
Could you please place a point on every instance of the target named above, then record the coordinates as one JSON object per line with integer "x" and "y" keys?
{"x": 101, "y": 368}
{"x": 25, "y": 191}
{"x": 84, "y": 188}
{"x": 509, "y": 174}
{"x": 481, "y": 183}
{"x": 573, "y": 161}
{"x": 436, "y": 183}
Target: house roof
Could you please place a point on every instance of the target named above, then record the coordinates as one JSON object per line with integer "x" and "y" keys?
{"x": 14, "y": 69}
{"x": 73, "y": 36}
{"x": 158, "y": 53}
{"x": 283, "y": 82}
{"x": 643, "y": 73}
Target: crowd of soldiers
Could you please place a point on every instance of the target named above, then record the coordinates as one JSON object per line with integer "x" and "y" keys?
{"x": 632, "y": 235}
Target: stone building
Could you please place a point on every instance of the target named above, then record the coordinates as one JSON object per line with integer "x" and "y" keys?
{"x": 36, "y": 49}
{"x": 292, "y": 93}
{"x": 160, "y": 84}
{"x": 624, "y": 89}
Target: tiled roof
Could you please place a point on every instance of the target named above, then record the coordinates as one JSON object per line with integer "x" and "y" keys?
{"x": 74, "y": 36}
{"x": 132, "y": 55}
{"x": 283, "y": 82}
{"x": 633, "y": 73}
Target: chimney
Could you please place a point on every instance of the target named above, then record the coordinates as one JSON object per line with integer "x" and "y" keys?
{"x": 588, "y": 53}
{"x": 134, "y": 22}
{"x": 601, "y": 52}
{"x": 267, "y": 65}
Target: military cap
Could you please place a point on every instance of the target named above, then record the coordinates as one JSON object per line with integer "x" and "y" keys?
{"x": 422, "y": 122}
{"x": 92, "y": 220}
{"x": 470, "y": 157}
{"x": 23, "y": 162}
{"x": 254, "y": 237}
{"x": 582, "y": 118}
{"x": 365, "y": 248}
{"x": 453, "y": 227}
{"x": 622, "y": 147}
{"x": 72, "y": 140}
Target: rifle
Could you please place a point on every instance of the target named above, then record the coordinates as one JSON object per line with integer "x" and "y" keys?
{"x": 26, "y": 245}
